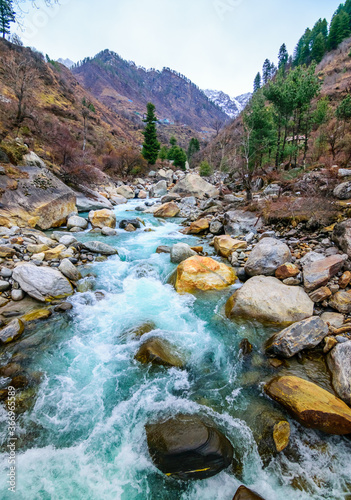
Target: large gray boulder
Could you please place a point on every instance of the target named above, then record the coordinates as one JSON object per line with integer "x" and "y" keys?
{"x": 158, "y": 190}
{"x": 305, "y": 334}
{"x": 42, "y": 283}
{"x": 339, "y": 363}
{"x": 266, "y": 257}
{"x": 238, "y": 222}
{"x": 40, "y": 199}
{"x": 194, "y": 185}
{"x": 342, "y": 236}
{"x": 76, "y": 221}
{"x": 99, "y": 247}
{"x": 11, "y": 331}
{"x": 343, "y": 191}
{"x": 180, "y": 252}
{"x": 69, "y": 270}
{"x": 89, "y": 199}
{"x": 268, "y": 300}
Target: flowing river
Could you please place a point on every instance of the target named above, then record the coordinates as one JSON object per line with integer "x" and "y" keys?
{"x": 83, "y": 437}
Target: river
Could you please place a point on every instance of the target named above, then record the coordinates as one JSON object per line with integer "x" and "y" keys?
{"x": 84, "y": 436}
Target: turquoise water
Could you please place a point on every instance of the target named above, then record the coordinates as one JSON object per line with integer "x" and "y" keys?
{"x": 84, "y": 437}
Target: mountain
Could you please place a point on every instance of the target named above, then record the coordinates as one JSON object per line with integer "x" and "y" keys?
{"x": 66, "y": 62}
{"x": 232, "y": 106}
{"x": 126, "y": 88}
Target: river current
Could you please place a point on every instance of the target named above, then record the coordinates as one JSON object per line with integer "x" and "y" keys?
{"x": 84, "y": 438}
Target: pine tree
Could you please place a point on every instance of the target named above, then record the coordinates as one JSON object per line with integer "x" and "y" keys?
{"x": 266, "y": 71}
{"x": 319, "y": 48}
{"x": 344, "y": 31}
{"x": 7, "y": 16}
{"x": 257, "y": 82}
{"x": 194, "y": 147}
{"x": 151, "y": 146}
{"x": 334, "y": 33}
{"x": 283, "y": 57}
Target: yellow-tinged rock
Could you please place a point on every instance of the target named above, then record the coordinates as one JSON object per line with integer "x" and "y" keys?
{"x": 54, "y": 253}
{"x": 35, "y": 315}
{"x": 102, "y": 218}
{"x": 311, "y": 405}
{"x": 203, "y": 273}
{"x": 225, "y": 245}
{"x": 170, "y": 209}
{"x": 199, "y": 226}
{"x": 281, "y": 435}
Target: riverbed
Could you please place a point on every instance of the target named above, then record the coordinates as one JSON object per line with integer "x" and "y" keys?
{"x": 83, "y": 436}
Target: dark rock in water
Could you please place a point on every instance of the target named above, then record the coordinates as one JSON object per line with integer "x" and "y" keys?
{"x": 10, "y": 370}
{"x": 140, "y": 330}
{"x": 19, "y": 382}
{"x": 134, "y": 222}
{"x": 245, "y": 347}
{"x": 305, "y": 334}
{"x": 163, "y": 249}
{"x": 244, "y": 493}
{"x": 159, "y": 352}
{"x": 184, "y": 447}
{"x": 65, "y": 306}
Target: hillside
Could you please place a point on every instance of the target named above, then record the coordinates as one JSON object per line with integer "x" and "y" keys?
{"x": 126, "y": 88}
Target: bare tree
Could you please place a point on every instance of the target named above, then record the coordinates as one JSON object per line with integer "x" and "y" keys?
{"x": 218, "y": 125}
{"x": 20, "y": 75}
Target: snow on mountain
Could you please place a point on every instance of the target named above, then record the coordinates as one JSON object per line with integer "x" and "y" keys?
{"x": 232, "y": 106}
{"x": 66, "y": 62}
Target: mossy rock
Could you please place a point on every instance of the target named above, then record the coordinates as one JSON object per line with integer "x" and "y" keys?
{"x": 14, "y": 151}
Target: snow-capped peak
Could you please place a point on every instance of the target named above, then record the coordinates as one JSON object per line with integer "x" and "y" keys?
{"x": 232, "y": 106}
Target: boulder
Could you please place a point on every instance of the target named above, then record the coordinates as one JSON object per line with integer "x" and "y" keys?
{"x": 199, "y": 226}
{"x": 244, "y": 493}
{"x": 159, "y": 352}
{"x": 341, "y": 301}
{"x": 126, "y": 222}
{"x": 31, "y": 159}
{"x": 339, "y": 363}
{"x": 170, "y": 209}
{"x": 216, "y": 227}
{"x": 304, "y": 334}
{"x": 54, "y": 253}
{"x": 99, "y": 247}
{"x": 69, "y": 270}
{"x": 238, "y": 222}
{"x": 272, "y": 190}
{"x": 268, "y": 300}
{"x": 158, "y": 190}
{"x": 287, "y": 270}
{"x": 203, "y": 273}
{"x": 181, "y": 252}
{"x": 108, "y": 231}
{"x": 319, "y": 273}
{"x": 266, "y": 257}
{"x": 11, "y": 331}
{"x": 40, "y": 199}
{"x": 225, "y": 245}
{"x": 142, "y": 195}
{"x": 311, "y": 405}
{"x": 164, "y": 249}
{"x": 102, "y": 218}
{"x": 334, "y": 319}
{"x": 343, "y": 191}
{"x": 67, "y": 240}
{"x": 91, "y": 200}
{"x": 184, "y": 447}
{"x": 7, "y": 251}
{"x": 345, "y": 280}
{"x": 42, "y": 283}
{"x": 4, "y": 285}
{"x": 126, "y": 192}
{"x": 194, "y": 185}
{"x": 342, "y": 236}
{"x": 117, "y": 199}
{"x": 76, "y": 221}
{"x": 320, "y": 294}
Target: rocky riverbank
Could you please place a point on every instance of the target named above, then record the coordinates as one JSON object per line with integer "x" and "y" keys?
{"x": 295, "y": 281}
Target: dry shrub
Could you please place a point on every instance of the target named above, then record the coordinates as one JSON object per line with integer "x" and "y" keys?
{"x": 317, "y": 210}
{"x": 82, "y": 174}
{"x": 124, "y": 162}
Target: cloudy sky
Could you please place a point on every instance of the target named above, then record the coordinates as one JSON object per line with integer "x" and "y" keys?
{"x": 218, "y": 44}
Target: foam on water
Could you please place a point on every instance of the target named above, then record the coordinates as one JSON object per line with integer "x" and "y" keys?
{"x": 85, "y": 436}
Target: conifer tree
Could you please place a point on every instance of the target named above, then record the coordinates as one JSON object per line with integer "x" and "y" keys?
{"x": 334, "y": 33}
{"x": 344, "y": 30}
{"x": 283, "y": 57}
{"x": 151, "y": 146}
{"x": 194, "y": 147}
{"x": 7, "y": 16}
{"x": 257, "y": 82}
{"x": 319, "y": 48}
{"x": 266, "y": 71}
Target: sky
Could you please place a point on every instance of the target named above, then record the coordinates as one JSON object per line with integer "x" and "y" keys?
{"x": 218, "y": 44}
